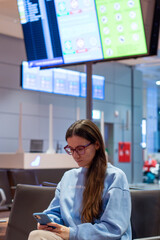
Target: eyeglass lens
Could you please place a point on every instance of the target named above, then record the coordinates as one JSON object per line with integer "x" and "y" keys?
{"x": 79, "y": 149}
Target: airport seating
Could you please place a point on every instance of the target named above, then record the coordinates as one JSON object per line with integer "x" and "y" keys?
{"x": 5, "y": 186}
{"x": 21, "y": 176}
{"x": 145, "y": 217}
{"x": 33, "y": 177}
{"x": 50, "y": 175}
{"x": 9, "y": 178}
{"x": 28, "y": 199}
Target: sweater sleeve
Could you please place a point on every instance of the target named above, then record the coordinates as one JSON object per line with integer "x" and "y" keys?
{"x": 114, "y": 222}
{"x": 53, "y": 210}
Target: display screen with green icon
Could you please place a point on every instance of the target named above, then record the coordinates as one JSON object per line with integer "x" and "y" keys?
{"x": 67, "y": 32}
{"x": 121, "y": 28}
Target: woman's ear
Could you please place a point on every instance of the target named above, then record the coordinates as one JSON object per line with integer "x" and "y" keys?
{"x": 96, "y": 145}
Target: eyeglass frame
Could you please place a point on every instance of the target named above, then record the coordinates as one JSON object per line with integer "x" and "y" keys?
{"x": 74, "y": 149}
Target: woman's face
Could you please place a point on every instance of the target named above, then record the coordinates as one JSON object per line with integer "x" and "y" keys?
{"x": 89, "y": 152}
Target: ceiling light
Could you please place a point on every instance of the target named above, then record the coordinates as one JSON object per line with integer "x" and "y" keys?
{"x": 158, "y": 82}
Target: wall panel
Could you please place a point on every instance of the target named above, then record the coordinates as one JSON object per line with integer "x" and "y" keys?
{"x": 35, "y": 105}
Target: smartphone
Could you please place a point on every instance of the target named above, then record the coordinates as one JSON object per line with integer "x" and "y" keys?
{"x": 42, "y": 218}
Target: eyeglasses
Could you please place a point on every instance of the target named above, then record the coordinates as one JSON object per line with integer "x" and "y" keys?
{"x": 80, "y": 150}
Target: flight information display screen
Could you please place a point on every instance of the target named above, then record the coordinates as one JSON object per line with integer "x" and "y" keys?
{"x": 66, "y": 82}
{"x": 60, "y": 81}
{"x": 77, "y": 31}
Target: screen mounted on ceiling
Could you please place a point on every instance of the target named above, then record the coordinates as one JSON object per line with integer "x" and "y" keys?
{"x": 78, "y": 31}
{"x": 60, "y": 81}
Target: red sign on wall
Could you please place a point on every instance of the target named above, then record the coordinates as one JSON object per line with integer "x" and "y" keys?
{"x": 124, "y": 151}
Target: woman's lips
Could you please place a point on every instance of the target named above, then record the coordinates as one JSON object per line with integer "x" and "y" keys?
{"x": 78, "y": 161}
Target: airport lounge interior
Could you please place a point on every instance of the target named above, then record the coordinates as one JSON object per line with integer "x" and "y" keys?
{"x": 61, "y": 62}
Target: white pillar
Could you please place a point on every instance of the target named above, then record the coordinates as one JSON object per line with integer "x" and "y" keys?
{"x": 102, "y": 124}
{"x": 50, "y": 149}
{"x": 78, "y": 114}
{"x": 20, "y": 145}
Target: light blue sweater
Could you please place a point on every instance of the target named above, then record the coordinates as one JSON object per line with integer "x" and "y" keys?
{"x": 114, "y": 222}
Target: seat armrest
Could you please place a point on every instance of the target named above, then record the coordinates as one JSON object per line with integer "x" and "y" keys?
{"x": 49, "y": 184}
{"x": 148, "y": 238}
{"x": 2, "y": 197}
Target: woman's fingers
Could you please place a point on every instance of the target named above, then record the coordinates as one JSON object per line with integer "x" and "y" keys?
{"x": 59, "y": 230}
{"x": 52, "y": 224}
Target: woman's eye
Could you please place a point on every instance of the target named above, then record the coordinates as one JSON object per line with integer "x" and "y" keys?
{"x": 80, "y": 148}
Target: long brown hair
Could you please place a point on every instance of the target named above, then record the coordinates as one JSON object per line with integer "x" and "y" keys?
{"x": 94, "y": 181}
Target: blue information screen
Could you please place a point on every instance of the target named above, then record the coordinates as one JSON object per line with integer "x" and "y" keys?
{"x": 61, "y": 81}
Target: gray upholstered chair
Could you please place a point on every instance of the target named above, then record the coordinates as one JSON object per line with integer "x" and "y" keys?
{"x": 6, "y": 197}
{"x": 28, "y": 199}
{"x": 145, "y": 217}
{"x": 21, "y": 176}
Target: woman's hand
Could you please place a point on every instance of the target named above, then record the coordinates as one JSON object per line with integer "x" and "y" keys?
{"x": 59, "y": 230}
{"x": 41, "y": 227}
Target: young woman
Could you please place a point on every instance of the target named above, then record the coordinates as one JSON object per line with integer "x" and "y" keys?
{"x": 92, "y": 201}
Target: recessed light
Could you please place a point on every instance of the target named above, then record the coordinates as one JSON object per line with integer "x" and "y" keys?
{"x": 158, "y": 82}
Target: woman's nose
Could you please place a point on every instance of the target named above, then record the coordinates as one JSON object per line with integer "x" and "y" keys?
{"x": 75, "y": 154}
